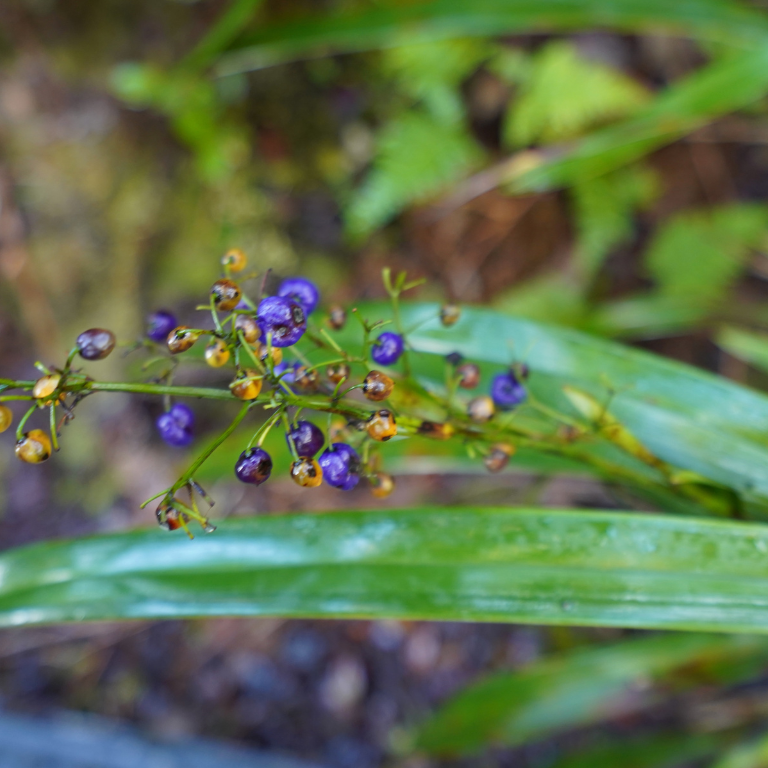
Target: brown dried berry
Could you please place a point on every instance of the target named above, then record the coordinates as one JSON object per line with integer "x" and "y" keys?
{"x": 306, "y": 473}
{"x": 226, "y": 294}
{"x": 468, "y": 375}
{"x": 181, "y": 339}
{"x": 377, "y": 386}
{"x": 481, "y": 409}
{"x": 450, "y": 314}
{"x": 337, "y": 372}
{"x": 306, "y": 380}
{"x": 496, "y": 459}
{"x": 337, "y": 317}
{"x": 381, "y": 425}
{"x": 248, "y": 326}
{"x": 95, "y": 343}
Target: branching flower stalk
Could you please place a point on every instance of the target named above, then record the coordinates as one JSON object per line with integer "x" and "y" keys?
{"x": 251, "y": 338}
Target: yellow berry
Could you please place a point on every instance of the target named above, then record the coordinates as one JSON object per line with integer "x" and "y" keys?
{"x": 216, "y": 354}
{"x": 481, "y": 409}
{"x": 450, "y": 314}
{"x": 226, "y": 294}
{"x": 306, "y": 473}
{"x": 235, "y": 259}
{"x": 247, "y": 387}
{"x": 34, "y": 447}
{"x": 381, "y": 425}
{"x": 46, "y": 386}
{"x": 6, "y": 418}
{"x": 382, "y": 485}
{"x": 248, "y": 327}
{"x": 262, "y": 352}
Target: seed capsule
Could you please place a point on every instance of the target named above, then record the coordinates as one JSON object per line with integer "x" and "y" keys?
{"x": 170, "y": 518}
{"x": 496, "y": 459}
{"x": 450, "y": 314}
{"x": 226, "y": 294}
{"x": 381, "y": 425}
{"x": 481, "y": 409}
{"x": 306, "y": 380}
{"x": 306, "y": 473}
{"x": 247, "y": 386}
{"x": 436, "y": 430}
{"x": 95, "y": 343}
{"x": 382, "y": 485}
{"x": 46, "y": 386}
{"x": 216, "y": 354}
{"x": 181, "y": 339}
{"x": 337, "y": 372}
{"x": 377, "y": 386}
{"x": 248, "y": 326}
{"x": 469, "y": 375}
{"x": 6, "y": 418}
{"x": 235, "y": 259}
{"x": 34, "y": 447}
{"x": 337, "y": 317}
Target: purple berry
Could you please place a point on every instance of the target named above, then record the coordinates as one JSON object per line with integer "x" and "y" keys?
{"x": 341, "y": 466}
{"x": 386, "y": 350}
{"x": 175, "y": 426}
{"x": 160, "y": 324}
{"x": 507, "y": 391}
{"x": 254, "y": 466}
{"x": 307, "y": 438}
{"x": 283, "y": 318}
{"x": 302, "y": 291}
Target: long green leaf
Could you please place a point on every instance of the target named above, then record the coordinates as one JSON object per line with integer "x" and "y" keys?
{"x": 574, "y": 689}
{"x": 476, "y": 564}
{"x": 381, "y": 26}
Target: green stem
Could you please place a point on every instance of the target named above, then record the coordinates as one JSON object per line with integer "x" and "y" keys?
{"x": 160, "y": 389}
{"x": 24, "y": 418}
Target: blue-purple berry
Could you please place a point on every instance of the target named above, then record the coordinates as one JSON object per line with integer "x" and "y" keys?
{"x": 302, "y": 291}
{"x": 160, "y": 324}
{"x": 307, "y": 437}
{"x": 176, "y": 426}
{"x": 386, "y": 350}
{"x": 506, "y": 391}
{"x": 341, "y": 466}
{"x": 283, "y": 318}
{"x": 254, "y": 466}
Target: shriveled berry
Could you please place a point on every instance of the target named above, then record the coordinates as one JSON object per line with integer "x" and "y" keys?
{"x": 381, "y": 425}
{"x": 283, "y": 318}
{"x": 216, "y": 354}
{"x": 481, "y": 409}
{"x": 498, "y": 457}
{"x": 304, "y": 292}
{"x": 160, "y": 324}
{"x": 306, "y": 380}
{"x": 306, "y": 473}
{"x": 34, "y": 447}
{"x": 169, "y": 518}
{"x": 6, "y": 418}
{"x": 436, "y": 430}
{"x": 45, "y": 386}
{"x": 468, "y": 375}
{"x": 95, "y": 343}
{"x": 377, "y": 386}
{"x": 254, "y": 466}
{"x": 307, "y": 437}
{"x": 386, "y": 350}
{"x": 248, "y": 326}
{"x": 450, "y": 314}
{"x": 337, "y": 372}
{"x": 247, "y": 386}
{"x": 226, "y": 293}
{"x": 176, "y": 426}
{"x": 337, "y": 317}
{"x": 234, "y": 259}
{"x": 341, "y": 466}
{"x": 382, "y": 485}
{"x": 181, "y": 338}
{"x": 506, "y": 391}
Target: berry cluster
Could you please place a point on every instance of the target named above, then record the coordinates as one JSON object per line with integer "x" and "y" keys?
{"x": 267, "y": 343}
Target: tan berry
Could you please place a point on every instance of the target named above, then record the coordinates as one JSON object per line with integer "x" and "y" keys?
{"x": 262, "y": 352}
{"x": 305, "y": 380}
{"x": 306, "y": 473}
{"x": 381, "y": 425}
{"x": 481, "y": 409}
{"x": 468, "y": 375}
{"x": 337, "y": 372}
{"x": 337, "y": 317}
{"x": 450, "y": 314}
{"x": 46, "y": 386}
{"x": 34, "y": 447}
{"x": 226, "y": 294}
{"x": 498, "y": 457}
{"x": 377, "y": 386}
{"x": 382, "y": 485}
{"x": 436, "y": 430}
{"x": 248, "y": 326}
{"x": 235, "y": 259}
{"x": 181, "y": 339}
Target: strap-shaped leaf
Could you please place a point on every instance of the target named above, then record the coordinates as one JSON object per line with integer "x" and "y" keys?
{"x": 480, "y": 564}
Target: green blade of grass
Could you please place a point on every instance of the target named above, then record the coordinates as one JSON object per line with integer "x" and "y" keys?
{"x": 474, "y": 564}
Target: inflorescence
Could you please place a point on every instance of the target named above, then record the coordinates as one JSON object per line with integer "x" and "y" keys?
{"x": 265, "y": 344}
